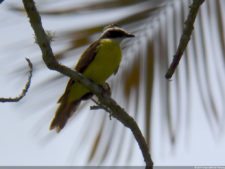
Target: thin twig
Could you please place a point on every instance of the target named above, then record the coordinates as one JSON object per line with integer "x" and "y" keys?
{"x": 51, "y": 62}
{"x": 101, "y": 106}
{"x": 97, "y": 106}
{"x": 186, "y": 36}
{"x": 24, "y": 91}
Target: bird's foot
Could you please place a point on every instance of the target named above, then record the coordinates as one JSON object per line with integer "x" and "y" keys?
{"x": 106, "y": 89}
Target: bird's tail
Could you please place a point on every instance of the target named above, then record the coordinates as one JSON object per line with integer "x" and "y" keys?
{"x": 63, "y": 113}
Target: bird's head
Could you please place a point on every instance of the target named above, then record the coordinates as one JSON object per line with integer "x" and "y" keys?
{"x": 115, "y": 32}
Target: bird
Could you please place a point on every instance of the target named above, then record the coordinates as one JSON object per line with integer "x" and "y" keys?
{"x": 97, "y": 63}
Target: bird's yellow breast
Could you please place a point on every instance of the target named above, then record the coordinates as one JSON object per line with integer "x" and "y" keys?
{"x": 105, "y": 63}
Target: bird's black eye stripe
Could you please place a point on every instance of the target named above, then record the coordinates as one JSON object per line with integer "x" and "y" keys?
{"x": 115, "y": 34}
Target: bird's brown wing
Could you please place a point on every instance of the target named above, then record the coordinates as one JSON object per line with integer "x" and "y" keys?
{"x": 86, "y": 58}
{"x": 66, "y": 108}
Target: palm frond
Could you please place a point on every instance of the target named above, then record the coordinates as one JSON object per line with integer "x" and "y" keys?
{"x": 140, "y": 85}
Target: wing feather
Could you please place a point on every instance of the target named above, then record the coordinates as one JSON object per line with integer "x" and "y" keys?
{"x": 86, "y": 58}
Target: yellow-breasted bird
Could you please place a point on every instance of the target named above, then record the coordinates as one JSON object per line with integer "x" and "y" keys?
{"x": 98, "y": 62}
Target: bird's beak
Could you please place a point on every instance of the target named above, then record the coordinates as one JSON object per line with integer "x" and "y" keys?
{"x": 129, "y": 35}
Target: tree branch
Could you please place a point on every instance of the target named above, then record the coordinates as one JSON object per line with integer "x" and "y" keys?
{"x": 49, "y": 59}
{"x": 186, "y": 36}
{"x": 24, "y": 91}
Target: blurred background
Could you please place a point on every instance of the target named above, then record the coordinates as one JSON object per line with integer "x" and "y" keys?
{"x": 182, "y": 119}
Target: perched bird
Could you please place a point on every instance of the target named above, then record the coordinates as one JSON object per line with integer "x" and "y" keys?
{"x": 98, "y": 62}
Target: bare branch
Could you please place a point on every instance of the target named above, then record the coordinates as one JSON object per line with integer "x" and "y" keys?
{"x": 24, "y": 91}
{"x": 49, "y": 59}
{"x": 186, "y": 36}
